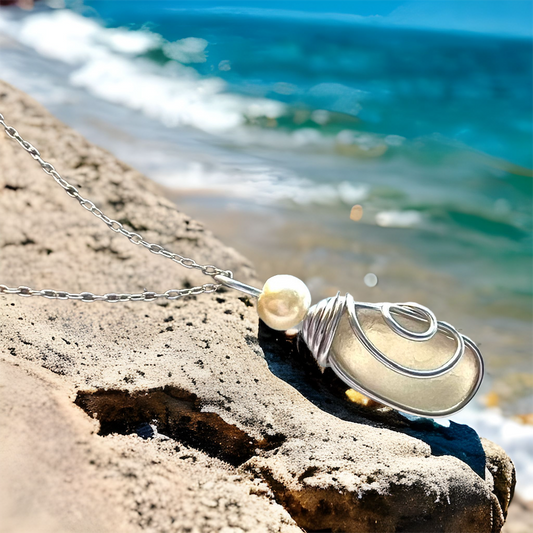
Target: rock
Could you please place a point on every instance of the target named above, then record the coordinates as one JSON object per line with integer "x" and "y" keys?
{"x": 239, "y": 430}
{"x": 58, "y": 476}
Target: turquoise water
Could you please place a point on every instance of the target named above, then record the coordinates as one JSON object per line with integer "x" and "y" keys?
{"x": 471, "y": 89}
{"x": 437, "y": 123}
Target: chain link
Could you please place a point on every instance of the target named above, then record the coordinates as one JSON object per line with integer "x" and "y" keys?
{"x": 146, "y": 296}
{"x": 117, "y": 227}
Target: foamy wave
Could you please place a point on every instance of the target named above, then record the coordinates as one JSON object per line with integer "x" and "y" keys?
{"x": 188, "y": 50}
{"x": 61, "y": 35}
{"x": 106, "y": 64}
{"x": 109, "y": 63}
{"x": 173, "y": 94}
{"x": 262, "y": 185}
{"x": 398, "y": 219}
{"x": 515, "y": 438}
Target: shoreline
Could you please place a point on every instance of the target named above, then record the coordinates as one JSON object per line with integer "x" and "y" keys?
{"x": 223, "y": 401}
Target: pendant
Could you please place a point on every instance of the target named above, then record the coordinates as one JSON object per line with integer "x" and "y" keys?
{"x": 396, "y": 354}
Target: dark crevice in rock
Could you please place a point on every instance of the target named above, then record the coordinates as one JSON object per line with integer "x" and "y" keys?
{"x": 308, "y": 472}
{"x": 246, "y": 301}
{"x": 81, "y": 162}
{"x": 320, "y": 511}
{"x": 109, "y": 250}
{"x": 192, "y": 240}
{"x": 12, "y": 187}
{"x": 176, "y": 414}
{"x": 135, "y": 227}
{"x": 24, "y": 341}
{"x": 117, "y": 204}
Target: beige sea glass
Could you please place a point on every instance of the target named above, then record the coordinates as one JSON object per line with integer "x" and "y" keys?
{"x": 438, "y": 396}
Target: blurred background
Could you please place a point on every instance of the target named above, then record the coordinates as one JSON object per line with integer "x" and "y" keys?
{"x": 270, "y": 120}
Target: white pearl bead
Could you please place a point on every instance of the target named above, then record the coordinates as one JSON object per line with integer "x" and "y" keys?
{"x": 284, "y": 302}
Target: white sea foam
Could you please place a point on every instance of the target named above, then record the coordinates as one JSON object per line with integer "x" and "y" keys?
{"x": 105, "y": 64}
{"x": 109, "y": 63}
{"x": 398, "y": 219}
{"x": 60, "y": 35}
{"x": 188, "y": 50}
{"x": 130, "y": 42}
{"x": 71, "y": 38}
{"x": 262, "y": 185}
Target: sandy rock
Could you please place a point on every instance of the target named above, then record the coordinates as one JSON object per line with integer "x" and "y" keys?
{"x": 249, "y": 435}
{"x": 58, "y": 476}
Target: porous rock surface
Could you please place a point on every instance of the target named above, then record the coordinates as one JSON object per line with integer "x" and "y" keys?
{"x": 244, "y": 433}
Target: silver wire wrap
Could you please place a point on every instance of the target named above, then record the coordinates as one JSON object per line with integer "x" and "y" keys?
{"x": 319, "y": 327}
{"x": 238, "y": 285}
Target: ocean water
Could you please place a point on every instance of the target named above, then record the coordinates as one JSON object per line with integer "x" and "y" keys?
{"x": 270, "y": 124}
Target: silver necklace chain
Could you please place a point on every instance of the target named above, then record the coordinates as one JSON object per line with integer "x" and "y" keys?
{"x": 117, "y": 227}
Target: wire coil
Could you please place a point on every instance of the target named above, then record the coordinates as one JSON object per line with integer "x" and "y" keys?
{"x": 319, "y": 327}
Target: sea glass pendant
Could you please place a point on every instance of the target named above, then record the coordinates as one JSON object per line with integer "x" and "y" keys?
{"x": 396, "y": 354}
